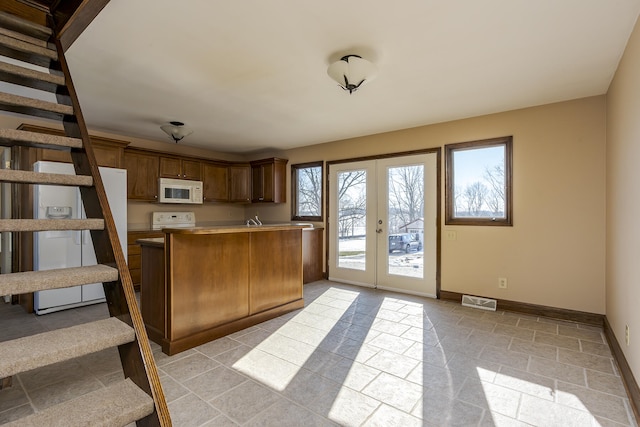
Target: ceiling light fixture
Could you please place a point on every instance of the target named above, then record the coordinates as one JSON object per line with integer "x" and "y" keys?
{"x": 176, "y": 130}
{"x": 351, "y": 71}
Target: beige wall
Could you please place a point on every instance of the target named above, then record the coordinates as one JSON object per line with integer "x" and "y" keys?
{"x": 623, "y": 201}
{"x": 554, "y": 254}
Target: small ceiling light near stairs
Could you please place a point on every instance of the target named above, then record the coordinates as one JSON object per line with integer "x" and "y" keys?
{"x": 176, "y": 130}
{"x": 351, "y": 71}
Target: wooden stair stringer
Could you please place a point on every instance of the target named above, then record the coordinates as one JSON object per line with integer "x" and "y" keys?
{"x": 136, "y": 357}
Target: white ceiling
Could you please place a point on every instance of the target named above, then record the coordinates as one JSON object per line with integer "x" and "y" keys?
{"x": 251, "y": 74}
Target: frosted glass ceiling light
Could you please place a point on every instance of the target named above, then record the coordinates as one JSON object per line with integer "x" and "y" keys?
{"x": 351, "y": 71}
{"x": 176, "y": 130}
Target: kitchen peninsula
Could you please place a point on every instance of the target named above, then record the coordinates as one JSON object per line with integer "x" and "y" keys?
{"x": 199, "y": 284}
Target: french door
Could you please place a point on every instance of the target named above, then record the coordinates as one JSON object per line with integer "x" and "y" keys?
{"x": 383, "y": 223}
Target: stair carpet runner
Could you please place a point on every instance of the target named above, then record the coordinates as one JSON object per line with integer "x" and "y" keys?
{"x": 119, "y": 404}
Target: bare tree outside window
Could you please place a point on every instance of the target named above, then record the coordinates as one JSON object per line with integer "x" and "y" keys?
{"x": 406, "y": 195}
{"x": 352, "y": 203}
{"x": 475, "y": 197}
{"x": 307, "y": 191}
{"x": 478, "y": 183}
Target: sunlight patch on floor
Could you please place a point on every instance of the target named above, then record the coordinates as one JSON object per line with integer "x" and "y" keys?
{"x": 277, "y": 360}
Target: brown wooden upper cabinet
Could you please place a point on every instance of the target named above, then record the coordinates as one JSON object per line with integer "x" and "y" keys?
{"x": 142, "y": 175}
{"x": 215, "y": 180}
{"x": 175, "y": 167}
{"x": 109, "y": 152}
{"x": 268, "y": 180}
{"x": 240, "y": 183}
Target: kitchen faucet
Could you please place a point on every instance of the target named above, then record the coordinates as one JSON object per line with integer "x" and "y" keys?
{"x": 252, "y": 221}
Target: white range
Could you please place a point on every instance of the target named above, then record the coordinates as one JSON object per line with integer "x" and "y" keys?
{"x": 160, "y": 220}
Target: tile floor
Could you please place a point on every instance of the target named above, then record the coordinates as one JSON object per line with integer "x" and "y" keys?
{"x": 356, "y": 356}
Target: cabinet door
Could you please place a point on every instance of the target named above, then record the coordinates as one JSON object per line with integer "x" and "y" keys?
{"x": 142, "y": 176}
{"x": 215, "y": 182}
{"x": 170, "y": 167}
{"x": 268, "y": 179}
{"x": 257, "y": 183}
{"x": 239, "y": 183}
{"x": 133, "y": 253}
{"x": 279, "y": 180}
{"x": 108, "y": 157}
{"x": 267, "y": 183}
{"x": 191, "y": 169}
{"x": 105, "y": 155}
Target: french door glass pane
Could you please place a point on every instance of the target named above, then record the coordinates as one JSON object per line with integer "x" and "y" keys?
{"x": 352, "y": 219}
{"x": 405, "y": 213}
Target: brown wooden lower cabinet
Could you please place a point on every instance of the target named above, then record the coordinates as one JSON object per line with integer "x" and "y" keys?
{"x": 312, "y": 254}
{"x": 198, "y": 286}
{"x": 133, "y": 252}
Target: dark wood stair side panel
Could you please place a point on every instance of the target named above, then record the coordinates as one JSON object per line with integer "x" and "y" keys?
{"x": 72, "y": 17}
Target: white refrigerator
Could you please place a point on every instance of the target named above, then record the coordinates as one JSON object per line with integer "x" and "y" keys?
{"x": 61, "y": 249}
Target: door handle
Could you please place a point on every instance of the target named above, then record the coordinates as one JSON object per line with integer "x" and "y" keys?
{"x": 379, "y": 230}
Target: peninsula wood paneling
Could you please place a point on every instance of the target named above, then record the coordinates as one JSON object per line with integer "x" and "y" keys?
{"x": 208, "y": 279}
{"x": 152, "y": 304}
{"x": 218, "y": 281}
{"x": 276, "y": 268}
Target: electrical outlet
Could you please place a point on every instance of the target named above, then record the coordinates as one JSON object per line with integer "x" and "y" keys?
{"x": 451, "y": 235}
{"x": 502, "y": 282}
{"x": 626, "y": 334}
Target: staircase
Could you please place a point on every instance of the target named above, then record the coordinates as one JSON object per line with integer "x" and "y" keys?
{"x": 139, "y": 398}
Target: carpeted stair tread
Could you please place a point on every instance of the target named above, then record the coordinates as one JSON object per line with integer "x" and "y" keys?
{"x": 35, "y": 351}
{"x": 116, "y": 405}
{"x": 28, "y": 48}
{"x": 36, "y": 139}
{"x": 24, "y": 102}
{"x": 31, "y": 281}
{"x": 30, "y": 78}
{"x": 24, "y": 37}
{"x": 51, "y": 224}
{"x": 28, "y": 177}
{"x": 24, "y": 26}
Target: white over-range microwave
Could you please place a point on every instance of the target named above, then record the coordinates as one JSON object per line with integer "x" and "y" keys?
{"x": 180, "y": 191}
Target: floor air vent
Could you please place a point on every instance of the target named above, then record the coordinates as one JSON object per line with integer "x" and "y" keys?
{"x": 479, "y": 302}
